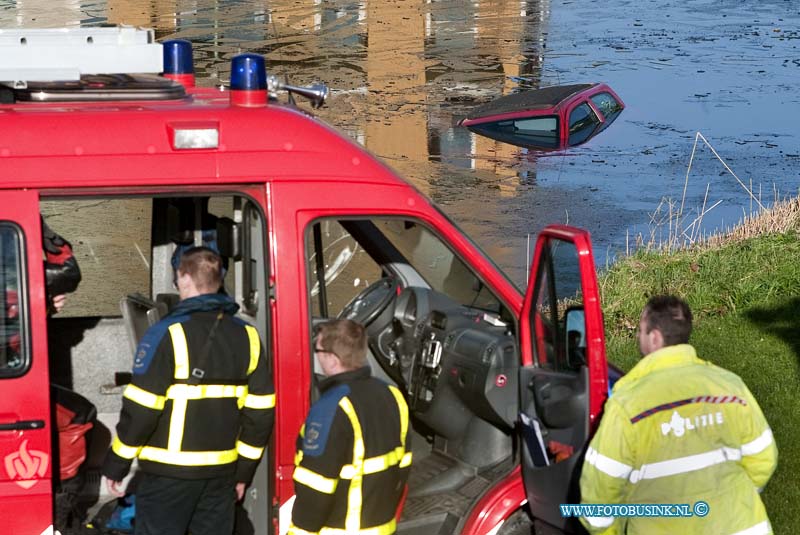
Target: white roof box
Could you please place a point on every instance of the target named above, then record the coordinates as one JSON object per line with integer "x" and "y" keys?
{"x": 45, "y": 55}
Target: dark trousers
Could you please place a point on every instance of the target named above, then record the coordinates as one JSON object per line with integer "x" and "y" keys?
{"x": 170, "y": 506}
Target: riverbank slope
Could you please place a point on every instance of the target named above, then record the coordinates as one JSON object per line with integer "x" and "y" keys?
{"x": 744, "y": 290}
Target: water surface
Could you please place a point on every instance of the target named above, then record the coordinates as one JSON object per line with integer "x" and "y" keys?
{"x": 404, "y": 71}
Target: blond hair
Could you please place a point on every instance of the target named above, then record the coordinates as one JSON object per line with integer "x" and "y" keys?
{"x": 346, "y": 339}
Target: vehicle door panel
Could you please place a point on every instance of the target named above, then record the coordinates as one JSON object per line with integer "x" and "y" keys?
{"x": 606, "y": 107}
{"x": 583, "y": 123}
{"x": 26, "y": 463}
{"x": 563, "y": 387}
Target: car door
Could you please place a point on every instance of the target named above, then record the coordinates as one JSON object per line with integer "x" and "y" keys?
{"x": 25, "y": 452}
{"x": 607, "y": 107}
{"x": 564, "y": 379}
{"x": 582, "y": 124}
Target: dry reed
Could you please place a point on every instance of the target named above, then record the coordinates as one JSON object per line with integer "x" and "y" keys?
{"x": 685, "y": 231}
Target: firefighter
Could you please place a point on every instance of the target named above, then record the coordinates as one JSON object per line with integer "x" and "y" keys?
{"x": 352, "y": 464}
{"x": 198, "y": 412}
{"x": 62, "y": 274}
{"x": 679, "y": 430}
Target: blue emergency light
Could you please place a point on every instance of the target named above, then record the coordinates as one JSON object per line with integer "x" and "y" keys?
{"x": 248, "y": 73}
{"x": 178, "y": 57}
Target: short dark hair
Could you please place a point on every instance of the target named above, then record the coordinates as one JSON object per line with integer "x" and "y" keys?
{"x": 671, "y": 316}
{"x": 346, "y": 339}
{"x": 204, "y": 266}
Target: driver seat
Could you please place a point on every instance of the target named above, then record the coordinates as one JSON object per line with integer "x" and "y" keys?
{"x": 139, "y": 313}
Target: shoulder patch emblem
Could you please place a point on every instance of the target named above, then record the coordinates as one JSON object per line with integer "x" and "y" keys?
{"x": 320, "y": 419}
{"x": 148, "y": 345}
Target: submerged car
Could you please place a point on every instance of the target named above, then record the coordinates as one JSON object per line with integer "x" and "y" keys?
{"x": 551, "y": 118}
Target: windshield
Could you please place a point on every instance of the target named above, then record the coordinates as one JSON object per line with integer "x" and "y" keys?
{"x": 357, "y": 252}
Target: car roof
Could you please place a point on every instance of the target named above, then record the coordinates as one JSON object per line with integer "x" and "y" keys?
{"x": 536, "y": 99}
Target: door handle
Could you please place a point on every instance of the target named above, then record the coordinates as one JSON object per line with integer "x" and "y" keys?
{"x": 22, "y": 425}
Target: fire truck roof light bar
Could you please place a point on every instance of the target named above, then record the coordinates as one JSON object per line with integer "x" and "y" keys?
{"x": 46, "y": 55}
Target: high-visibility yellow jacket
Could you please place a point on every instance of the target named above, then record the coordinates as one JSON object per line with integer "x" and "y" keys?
{"x": 676, "y": 430}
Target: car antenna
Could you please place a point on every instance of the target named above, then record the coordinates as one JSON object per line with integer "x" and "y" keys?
{"x": 286, "y": 83}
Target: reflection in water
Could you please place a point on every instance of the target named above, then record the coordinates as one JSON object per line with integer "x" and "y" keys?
{"x": 403, "y": 72}
{"x": 396, "y": 128}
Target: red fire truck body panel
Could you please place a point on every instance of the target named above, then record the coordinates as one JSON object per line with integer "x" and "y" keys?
{"x": 296, "y": 170}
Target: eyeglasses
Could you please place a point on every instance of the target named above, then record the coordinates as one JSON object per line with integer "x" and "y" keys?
{"x": 318, "y": 350}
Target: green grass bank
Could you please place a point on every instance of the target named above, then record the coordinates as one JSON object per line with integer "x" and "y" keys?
{"x": 744, "y": 290}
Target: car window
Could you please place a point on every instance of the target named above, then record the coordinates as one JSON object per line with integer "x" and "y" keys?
{"x": 348, "y": 267}
{"x": 541, "y": 132}
{"x": 117, "y": 259}
{"x": 539, "y": 126}
{"x": 12, "y": 350}
{"x": 437, "y": 264}
{"x": 558, "y": 323}
{"x": 582, "y": 124}
{"x": 344, "y": 268}
{"x": 608, "y": 106}
{"x": 537, "y": 131}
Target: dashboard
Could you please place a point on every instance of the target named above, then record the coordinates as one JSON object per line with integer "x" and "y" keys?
{"x": 455, "y": 362}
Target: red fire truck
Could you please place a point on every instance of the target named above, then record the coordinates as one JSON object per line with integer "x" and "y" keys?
{"x": 504, "y": 385}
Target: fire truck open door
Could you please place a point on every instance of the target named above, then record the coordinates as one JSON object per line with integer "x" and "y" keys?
{"x": 565, "y": 381}
{"x": 25, "y": 452}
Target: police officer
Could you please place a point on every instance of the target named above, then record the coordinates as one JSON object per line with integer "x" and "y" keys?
{"x": 679, "y": 430}
{"x": 351, "y": 465}
{"x": 198, "y": 412}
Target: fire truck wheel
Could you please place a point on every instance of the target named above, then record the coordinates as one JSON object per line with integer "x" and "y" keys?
{"x": 518, "y": 523}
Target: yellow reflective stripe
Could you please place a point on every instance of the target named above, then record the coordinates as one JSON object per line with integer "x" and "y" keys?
{"x": 253, "y": 401}
{"x": 398, "y": 456}
{"x": 384, "y": 529}
{"x": 758, "y": 445}
{"x": 246, "y": 450}
{"x": 180, "y": 351}
{"x": 314, "y": 480}
{"x": 298, "y": 458}
{"x": 403, "y": 408}
{"x": 379, "y": 463}
{"x": 600, "y": 521}
{"x": 183, "y": 391}
{"x": 762, "y": 528}
{"x": 607, "y": 465}
{"x": 294, "y": 530}
{"x": 188, "y": 458}
{"x": 354, "y": 497}
{"x": 176, "y": 422}
{"x": 255, "y": 347}
{"x": 123, "y": 450}
{"x": 144, "y": 398}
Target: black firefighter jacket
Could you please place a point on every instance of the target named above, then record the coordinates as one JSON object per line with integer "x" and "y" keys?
{"x": 214, "y": 428}
{"x": 352, "y": 463}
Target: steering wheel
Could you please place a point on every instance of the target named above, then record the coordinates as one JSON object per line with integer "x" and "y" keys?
{"x": 365, "y": 307}
{"x": 410, "y": 310}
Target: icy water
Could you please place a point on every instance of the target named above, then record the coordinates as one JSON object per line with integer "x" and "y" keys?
{"x": 403, "y": 72}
